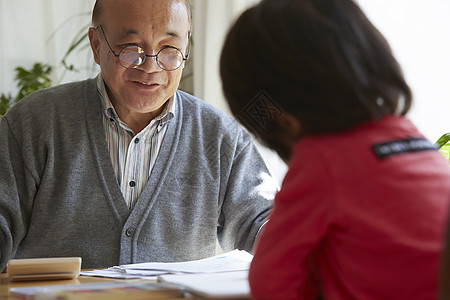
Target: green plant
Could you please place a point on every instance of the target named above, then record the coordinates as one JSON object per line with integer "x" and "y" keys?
{"x": 5, "y": 103}
{"x": 444, "y": 139}
{"x": 28, "y": 81}
{"x": 79, "y": 43}
{"x": 443, "y": 144}
{"x": 39, "y": 76}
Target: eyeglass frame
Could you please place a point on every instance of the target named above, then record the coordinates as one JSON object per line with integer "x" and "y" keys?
{"x": 185, "y": 58}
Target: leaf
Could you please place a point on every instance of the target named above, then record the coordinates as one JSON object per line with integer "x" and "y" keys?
{"x": 444, "y": 139}
{"x": 29, "y": 81}
{"x": 5, "y": 103}
{"x": 81, "y": 36}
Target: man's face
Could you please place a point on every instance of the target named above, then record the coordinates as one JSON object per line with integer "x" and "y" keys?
{"x": 152, "y": 25}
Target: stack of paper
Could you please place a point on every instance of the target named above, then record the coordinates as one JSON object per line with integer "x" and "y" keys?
{"x": 235, "y": 260}
{"x": 220, "y": 277}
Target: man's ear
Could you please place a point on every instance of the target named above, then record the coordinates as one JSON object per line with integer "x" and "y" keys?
{"x": 95, "y": 44}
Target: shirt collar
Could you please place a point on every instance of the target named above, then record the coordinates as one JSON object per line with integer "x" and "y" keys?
{"x": 166, "y": 115}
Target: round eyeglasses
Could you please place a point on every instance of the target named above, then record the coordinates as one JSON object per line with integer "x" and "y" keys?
{"x": 133, "y": 56}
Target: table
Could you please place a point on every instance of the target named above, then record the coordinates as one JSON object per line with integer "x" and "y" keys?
{"x": 6, "y": 284}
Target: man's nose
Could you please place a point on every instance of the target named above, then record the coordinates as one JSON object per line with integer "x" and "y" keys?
{"x": 150, "y": 64}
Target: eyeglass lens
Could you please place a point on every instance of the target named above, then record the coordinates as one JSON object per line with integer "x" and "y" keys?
{"x": 168, "y": 58}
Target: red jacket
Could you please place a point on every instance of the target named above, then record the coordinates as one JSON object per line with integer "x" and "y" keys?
{"x": 360, "y": 215}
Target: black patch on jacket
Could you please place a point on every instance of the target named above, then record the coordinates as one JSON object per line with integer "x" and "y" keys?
{"x": 396, "y": 147}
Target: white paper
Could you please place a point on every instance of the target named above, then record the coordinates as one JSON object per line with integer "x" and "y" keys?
{"x": 232, "y": 261}
{"x": 227, "y": 285}
{"x": 235, "y": 260}
{"x": 110, "y": 273}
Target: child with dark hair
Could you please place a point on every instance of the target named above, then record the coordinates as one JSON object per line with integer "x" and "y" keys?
{"x": 362, "y": 209}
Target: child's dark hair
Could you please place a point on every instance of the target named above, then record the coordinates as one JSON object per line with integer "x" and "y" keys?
{"x": 322, "y": 61}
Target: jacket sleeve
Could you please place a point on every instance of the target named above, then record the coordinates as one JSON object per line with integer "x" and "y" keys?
{"x": 283, "y": 266}
{"x": 248, "y": 197}
{"x": 16, "y": 187}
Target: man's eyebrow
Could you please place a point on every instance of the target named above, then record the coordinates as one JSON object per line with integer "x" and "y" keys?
{"x": 173, "y": 34}
{"x": 127, "y": 32}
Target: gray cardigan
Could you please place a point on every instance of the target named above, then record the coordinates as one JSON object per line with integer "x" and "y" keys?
{"x": 59, "y": 195}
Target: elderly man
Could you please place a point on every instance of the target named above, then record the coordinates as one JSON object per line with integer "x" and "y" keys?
{"x": 125, "y": 168}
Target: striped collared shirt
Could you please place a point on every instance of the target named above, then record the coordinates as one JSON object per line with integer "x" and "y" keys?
{"x": 133, "y": 155}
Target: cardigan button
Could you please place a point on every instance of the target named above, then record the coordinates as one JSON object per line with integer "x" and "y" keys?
{"x": 129, "y": 232}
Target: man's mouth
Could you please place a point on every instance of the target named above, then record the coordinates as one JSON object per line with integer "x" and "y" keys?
{"x": 147, "y": 83}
